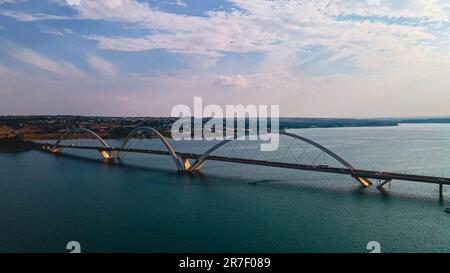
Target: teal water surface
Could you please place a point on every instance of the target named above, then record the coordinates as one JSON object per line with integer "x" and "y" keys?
{"x": 143, "y": 205}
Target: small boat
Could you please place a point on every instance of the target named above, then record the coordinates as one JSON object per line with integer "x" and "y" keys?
{"x": 447, "y": 210}
{"x": 254, "y": 182}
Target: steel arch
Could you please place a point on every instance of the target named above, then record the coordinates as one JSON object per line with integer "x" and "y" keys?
{"x": 169, "y": 147}
{"x": 92, "y": 133}
{"x": 198, "y": 164}
{"x": 105, "y": 154}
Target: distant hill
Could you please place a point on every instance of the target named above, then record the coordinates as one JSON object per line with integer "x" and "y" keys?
{"x": 427, "y": 120}
{"x": 286, "y": 123}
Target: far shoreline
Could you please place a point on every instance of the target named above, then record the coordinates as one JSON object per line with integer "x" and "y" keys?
{"x": 36, "y": 128}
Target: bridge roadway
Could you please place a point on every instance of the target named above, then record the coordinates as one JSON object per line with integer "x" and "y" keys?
{"x": 379, "y": 175}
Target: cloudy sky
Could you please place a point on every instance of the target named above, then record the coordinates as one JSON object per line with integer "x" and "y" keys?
{"x": 321, "y": 58}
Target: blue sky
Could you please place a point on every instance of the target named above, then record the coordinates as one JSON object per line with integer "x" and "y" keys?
{"x": 321, "y": 58}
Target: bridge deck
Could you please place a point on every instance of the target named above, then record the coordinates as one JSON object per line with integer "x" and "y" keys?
{"x": 387, "y": 176}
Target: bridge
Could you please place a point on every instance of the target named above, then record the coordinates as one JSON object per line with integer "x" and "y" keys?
{"x": 193, "y": 162}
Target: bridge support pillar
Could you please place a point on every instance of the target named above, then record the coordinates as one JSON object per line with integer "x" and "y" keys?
{"x": 441, "y": 191}
{"x": 197, "y": 167}
{"x": 380, "y": 186}
{"x": 56, "y": 150}
{"x": 108, "y": 155}
{"x": 112, "y": 155}
{"x": 364, "y": 181}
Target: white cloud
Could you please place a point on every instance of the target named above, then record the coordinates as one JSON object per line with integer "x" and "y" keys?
{"x": 101, "y": 65}
{"x": 73, "y": 2}
{"x": 270, "y": 27}
{"x": 61, "y": 68}
{"x": 391, "y": 61}
{"x": 57, "y": 32}
{"x": 31, "y": 17}
{"x": 232, "y": 81}
{"x": 273, "y": 27}
{"x": 7, "y": 1}
{"x": 431, "y": 10}
{"x": 180, "y": 3}
{"x": 219, "y": 32}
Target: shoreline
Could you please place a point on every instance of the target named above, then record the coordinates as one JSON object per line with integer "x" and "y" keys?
{"x": 57, "y": 136}
{"x": 54, "y": 136}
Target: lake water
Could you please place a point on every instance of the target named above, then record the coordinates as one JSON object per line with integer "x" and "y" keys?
{"x": 143, "y": 205}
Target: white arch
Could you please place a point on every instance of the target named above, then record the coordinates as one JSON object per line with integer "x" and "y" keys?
{"x": 105, "y": 154}
{"x": 200, "y": 162}
{"x": 169, "y": 147}
{"x": 92, "y": 133}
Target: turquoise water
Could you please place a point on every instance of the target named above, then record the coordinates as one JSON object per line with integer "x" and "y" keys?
{"x": 143, "y": 205}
